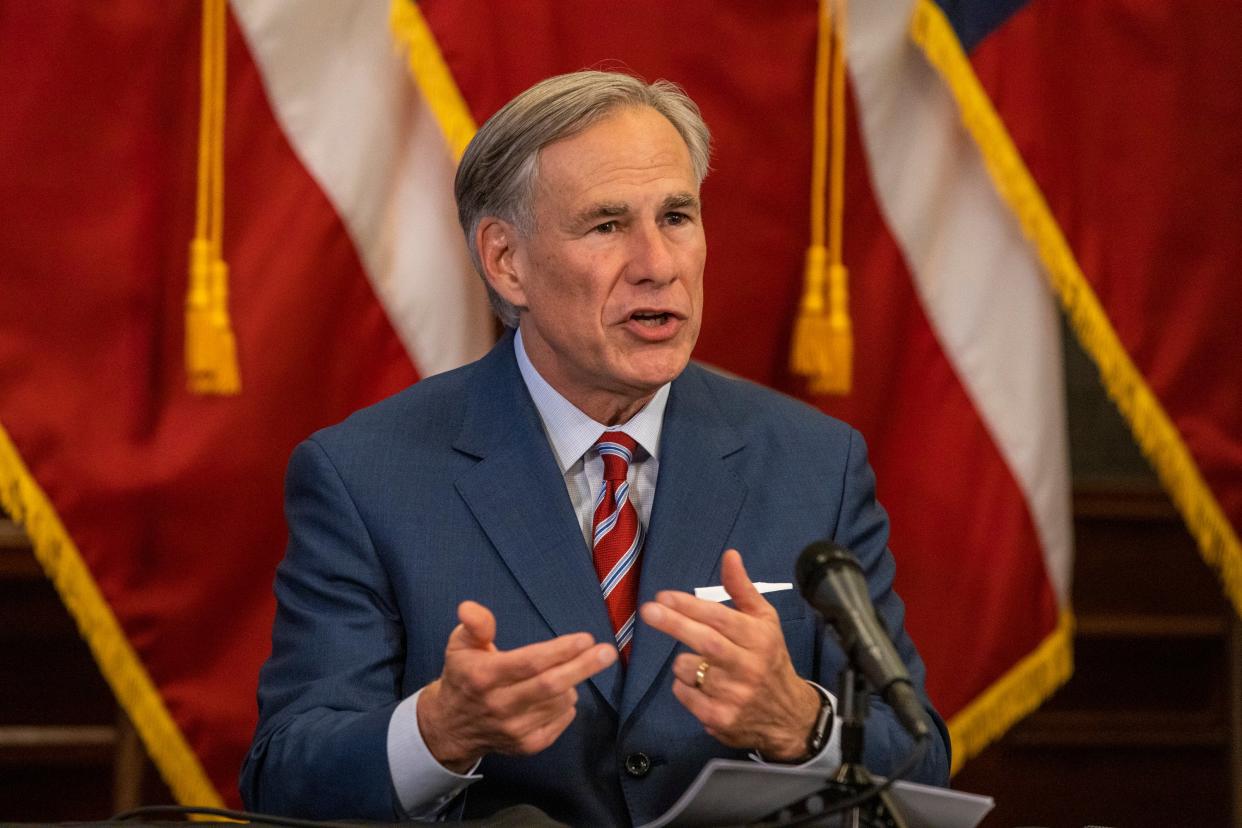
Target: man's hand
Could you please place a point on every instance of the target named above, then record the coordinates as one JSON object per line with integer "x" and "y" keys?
{"x": 749, "y": 696}
{"x": 488, "y": 701}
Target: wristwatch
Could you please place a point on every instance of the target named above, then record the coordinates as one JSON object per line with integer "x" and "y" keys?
{"x": 822, "y": 728}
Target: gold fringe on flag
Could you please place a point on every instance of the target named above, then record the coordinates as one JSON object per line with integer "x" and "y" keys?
{"x": 210, "y": 345}
{"x": 24, "y": 500}
{"x": 432, "y": 74}
{"x": 1014, "y": 695}
{"x": 1153, "y": 430}
{"x": 823, "y": 340}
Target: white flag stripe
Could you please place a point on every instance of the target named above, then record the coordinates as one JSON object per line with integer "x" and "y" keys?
{"x": 976, "y": 275}
{"x": 361, "y": 129}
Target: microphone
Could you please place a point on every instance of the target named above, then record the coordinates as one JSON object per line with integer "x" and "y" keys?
{"x": 831, "y": 580}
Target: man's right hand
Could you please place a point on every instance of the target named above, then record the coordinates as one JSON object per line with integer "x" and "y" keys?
{"x": 516, "y": 702}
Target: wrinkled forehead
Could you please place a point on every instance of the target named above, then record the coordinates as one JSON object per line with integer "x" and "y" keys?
{"x": 632, "y": 152}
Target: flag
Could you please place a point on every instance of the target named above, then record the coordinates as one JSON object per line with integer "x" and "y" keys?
{"x": 157, "y": 512}
{"x": 1113, "y": 134}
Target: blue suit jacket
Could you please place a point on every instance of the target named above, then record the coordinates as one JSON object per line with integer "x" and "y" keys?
{"x": 450, "y": 491}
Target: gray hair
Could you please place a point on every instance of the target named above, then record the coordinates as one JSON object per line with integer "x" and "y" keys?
{"x": 497, "y": 172}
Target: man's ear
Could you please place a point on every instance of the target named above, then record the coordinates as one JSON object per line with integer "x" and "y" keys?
{"x": 498, "y": 241}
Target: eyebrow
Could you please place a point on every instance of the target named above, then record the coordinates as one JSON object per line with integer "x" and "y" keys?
{"x": 602, "y": 211}
{"x": 681, "y": 201}
{"x": 610, "y": 210}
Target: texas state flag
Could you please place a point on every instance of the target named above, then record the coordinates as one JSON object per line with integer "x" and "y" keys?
{"x": 157, "y": 511}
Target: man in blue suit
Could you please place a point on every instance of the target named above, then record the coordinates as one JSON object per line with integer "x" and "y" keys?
{"x": 519, "y": 581}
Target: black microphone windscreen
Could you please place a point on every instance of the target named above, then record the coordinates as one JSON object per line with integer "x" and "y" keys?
{"x": 816, "y": 558}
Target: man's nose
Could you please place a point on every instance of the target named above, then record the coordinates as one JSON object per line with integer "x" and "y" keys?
{"x": 652, "y": 257}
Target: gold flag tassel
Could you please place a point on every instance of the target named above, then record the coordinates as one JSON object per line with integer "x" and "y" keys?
{"x": 823, "y": 343}
{"x": 210, "y": 346}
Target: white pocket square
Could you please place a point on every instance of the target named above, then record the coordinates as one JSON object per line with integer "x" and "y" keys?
{"x": 717, "y": 593}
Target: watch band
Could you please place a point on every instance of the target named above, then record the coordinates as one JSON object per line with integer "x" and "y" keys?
{"x": 822, "y": 728}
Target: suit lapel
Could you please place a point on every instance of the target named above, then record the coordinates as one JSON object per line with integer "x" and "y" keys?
{"x": 517, "y": 494}
{"x": 697, "y": 501}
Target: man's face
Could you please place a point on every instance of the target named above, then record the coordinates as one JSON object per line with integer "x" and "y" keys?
{"x": 611, "y": 277}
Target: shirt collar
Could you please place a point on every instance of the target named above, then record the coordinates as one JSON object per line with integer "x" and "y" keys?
{"x": 572, "y": 432}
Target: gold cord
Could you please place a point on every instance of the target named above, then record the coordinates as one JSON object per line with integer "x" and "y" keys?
{"x": 823, "y": 343}
{"x": 210, "y": 344}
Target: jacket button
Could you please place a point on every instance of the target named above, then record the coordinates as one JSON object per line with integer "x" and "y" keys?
{"x": 637, "y": 765}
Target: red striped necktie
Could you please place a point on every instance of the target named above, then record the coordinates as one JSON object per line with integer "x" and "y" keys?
{"x": 617, "y": 538}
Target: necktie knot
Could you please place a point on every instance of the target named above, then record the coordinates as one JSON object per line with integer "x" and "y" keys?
{"x": 616, "y": 448}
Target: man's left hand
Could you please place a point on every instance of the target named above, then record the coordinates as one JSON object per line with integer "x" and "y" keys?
{"x": 749, "y": 695}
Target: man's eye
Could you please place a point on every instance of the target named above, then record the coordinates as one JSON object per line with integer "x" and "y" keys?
{"x": 676, "y": 218}
{"x": 606, "y": 227}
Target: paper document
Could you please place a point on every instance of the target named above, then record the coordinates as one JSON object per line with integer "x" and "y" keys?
{"x": 731, "y": 792}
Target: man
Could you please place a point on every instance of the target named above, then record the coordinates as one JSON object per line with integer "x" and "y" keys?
{"x": 488, "y": 595}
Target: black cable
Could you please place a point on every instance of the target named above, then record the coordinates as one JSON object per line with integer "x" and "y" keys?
{"x": 247, "y": 816}
{"x": 912, "y": 759}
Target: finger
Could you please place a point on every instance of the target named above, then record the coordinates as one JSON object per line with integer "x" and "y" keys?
{"x": 571, "y": 673}
{"x": 507, "y": 731}
{"x": 729, "y": 622}
{"x": 711, "y": 714}
{"x": 717, "y": 682}
{"x": 737, "y": 583}
{"x": 560, "y": 678}
{"x": 700, "y": 637}
{"x": 522, "y": 663}
{"x": 517, "y": 721}
{"x": 478, "y": 626}
{"x": 686, "y": 670}
{"x": 544, "y": 735}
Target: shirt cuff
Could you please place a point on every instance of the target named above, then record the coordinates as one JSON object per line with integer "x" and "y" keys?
{"x": 829, "y": 756}
{"x": 424, "y": 786}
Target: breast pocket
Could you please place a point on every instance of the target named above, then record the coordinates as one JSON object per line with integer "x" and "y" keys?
{"x": 798, "y": 626}
{"x": 789, "y": 604}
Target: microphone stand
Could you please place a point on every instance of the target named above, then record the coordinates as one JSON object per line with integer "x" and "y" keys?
{"x": 852, "y": 778}
{"x": 852, "y": 785}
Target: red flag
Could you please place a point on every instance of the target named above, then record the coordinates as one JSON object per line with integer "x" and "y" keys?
{"x": 157, "y": 513}
{"x": 345, "y": 274}
{"x": 1113, "y": 133}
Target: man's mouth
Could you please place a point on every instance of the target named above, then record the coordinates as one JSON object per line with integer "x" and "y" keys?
{"x": 651, "y": 319}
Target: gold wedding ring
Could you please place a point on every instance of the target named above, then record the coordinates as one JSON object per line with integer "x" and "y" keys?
{"x": 700, "y": 674}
